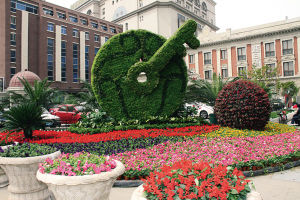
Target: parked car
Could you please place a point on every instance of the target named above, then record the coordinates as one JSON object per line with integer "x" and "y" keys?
{"x": 51, "y": 120}
{"x": 203, "y": 110}
{"x": 277, "y": 104}
{"x": 69, "y": 114}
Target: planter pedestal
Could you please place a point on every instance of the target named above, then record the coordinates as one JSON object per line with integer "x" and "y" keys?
{"x": 138, "y": 194}
{"x": 21, "y": 173}
{"x": 87, "y": 187}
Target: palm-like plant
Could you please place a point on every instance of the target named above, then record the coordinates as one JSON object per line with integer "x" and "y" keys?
{"x": 206, "y": 91}
{"x": 26, "y": 117}
{"x": 289, "y": 90}
{"x": 40, "y": 93}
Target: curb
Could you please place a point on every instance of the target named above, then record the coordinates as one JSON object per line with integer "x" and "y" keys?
{"x": 136, "y": 183}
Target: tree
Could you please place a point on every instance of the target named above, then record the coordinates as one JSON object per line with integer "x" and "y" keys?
{"x": 206, "y": 91}
{"x": 266, "y": 77}
{"x": 289, "y": 91}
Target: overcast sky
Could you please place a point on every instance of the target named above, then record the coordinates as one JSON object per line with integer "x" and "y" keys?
{"x": 237, "y": 14}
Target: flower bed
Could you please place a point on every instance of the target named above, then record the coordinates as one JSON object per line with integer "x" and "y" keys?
{"x": 41, "y": 137}
{"x": 187, "y": 180}
{"x": 227, "y": 151}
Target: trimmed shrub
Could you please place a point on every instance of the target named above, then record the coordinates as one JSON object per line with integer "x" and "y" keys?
{"x": 121, "y": 60}
{"x": 243, "y": 105}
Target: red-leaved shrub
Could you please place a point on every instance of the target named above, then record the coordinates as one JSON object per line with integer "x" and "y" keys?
{"x": 243, "y": 105}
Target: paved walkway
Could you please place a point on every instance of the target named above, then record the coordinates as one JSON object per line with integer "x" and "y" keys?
{"x": 277, "y": 186}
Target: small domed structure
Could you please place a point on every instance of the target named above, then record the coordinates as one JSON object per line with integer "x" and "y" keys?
{"x": 29, "y": 76}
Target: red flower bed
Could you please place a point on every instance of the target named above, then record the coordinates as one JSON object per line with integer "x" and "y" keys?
{"x": 68, "y": 137}
{"x": 187, "y": 180}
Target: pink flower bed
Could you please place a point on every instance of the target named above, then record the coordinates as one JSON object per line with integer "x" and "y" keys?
{"x": 225, "y": 151}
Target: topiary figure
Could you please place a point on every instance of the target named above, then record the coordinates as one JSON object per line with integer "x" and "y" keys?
{"x": 243, "y": 105}
{"x": 126, "y": 56}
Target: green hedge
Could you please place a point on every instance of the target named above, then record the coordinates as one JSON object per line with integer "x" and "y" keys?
{"x": 117, "y": 65}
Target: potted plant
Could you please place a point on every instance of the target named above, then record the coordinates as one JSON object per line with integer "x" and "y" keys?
{"x": 80, "y": 176}
{"x": 4, "y": 143}
{"x": 188, "y": 180}
{"x": 20, "y": 163}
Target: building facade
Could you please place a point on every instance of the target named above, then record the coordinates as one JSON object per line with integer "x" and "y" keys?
{"x": 52, "y": 41}
{"x": 233, "y": 53}
{"x": 163, "y": 17}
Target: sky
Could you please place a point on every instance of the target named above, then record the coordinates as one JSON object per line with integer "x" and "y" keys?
{"x": 237, "y": 14}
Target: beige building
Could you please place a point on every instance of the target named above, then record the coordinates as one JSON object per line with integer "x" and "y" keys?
{"x": 234, "y": 52}
{"x": 162, "y": 17}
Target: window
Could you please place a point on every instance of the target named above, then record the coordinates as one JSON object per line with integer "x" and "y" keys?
{"x": 140, "y": 3}
{"x": 106, "y": 38}
{"x": 73, "y": 19}
{"x": 75, "y": 62}
{"x": 196, "y": 11}
{"x": 103, "y": 11}
{"x": 207, "y": 58}
{"x": 94, "y": 24}
{"x": 113, "y": 2}
{"x": 13, "y": 22}
{"x": 50, "y": 59}
{"x": 87, "y": 35}
{"x": 19, "y": 5}
{"x": 96, "y": 50}
{"x": 2, "y": 84}
{"x": 271, "y": 70}
{"x": 63, "y": 61}
{"x": 97, "y": 38}
{"x": 104, "y": 28}
{"x": 48, "y": 11}
{"x": 242, "y": 71}
{"x": 197, "y": 3}
{"x": 50, "y": 27}
{"x": 241, "y": 53}
{"x": 288, "y": 68}
{"x": 208, "y": 74}
{"x": 83, "y": 21}
{"x": 126, "y": 26}
{"x": 87, "y": 57}
{"x": 113, "y": 30}
{"x": 223, "y": 54}
{"x": 287, "y": 47}
{"x": 13, "y": 56}
{"x": 141, "y": 18}
{"x": 75, "y": 33}
{"x": 63, "y": 108}
{"x": 204, "y": 7}
{"x": 270, "y": 51}
{"x": 12, "y": 71}
{"x": 89, "y": 12}
{"x": 224, "y": 73}
{"x": 61, "y": 15}
{"x": 13, "y": 39}
{"x": 188, "y": 6}
{"x": 191, "y": 59}
{"x": 63, "y": 30}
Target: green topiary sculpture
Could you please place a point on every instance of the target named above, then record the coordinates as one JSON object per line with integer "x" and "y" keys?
{"x": 126, "y": 57}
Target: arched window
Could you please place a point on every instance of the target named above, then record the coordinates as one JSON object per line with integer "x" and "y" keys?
{"x": 204, "y": 7}
{"x": 89, "y": 12}
{"x": 197, "y": 3}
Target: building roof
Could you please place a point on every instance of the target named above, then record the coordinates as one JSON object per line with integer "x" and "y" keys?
{"x": 29, "y": 76}
{"x": 212, "y": 38}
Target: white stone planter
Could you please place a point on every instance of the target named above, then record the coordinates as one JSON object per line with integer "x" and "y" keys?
{"x": 3, "y": 177}
{"x": 87, "y": 187}
{"x": 21, "y": 173}
{"x": 138, "y": 194}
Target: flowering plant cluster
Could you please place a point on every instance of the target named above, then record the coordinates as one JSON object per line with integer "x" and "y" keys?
{"x": 41, "y": 137}
{"x": 243, "y": 105}
{"x": 77, "y": 164}
{"x": 238, "y": 151}
{"x": 187, "y": 180}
